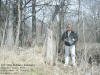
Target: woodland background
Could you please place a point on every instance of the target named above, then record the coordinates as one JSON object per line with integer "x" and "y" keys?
{"x": 30, "y": 32}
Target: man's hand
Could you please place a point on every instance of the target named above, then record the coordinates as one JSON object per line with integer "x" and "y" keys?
{"x": 65, "y": 40}
{"x": 73, "y": 39}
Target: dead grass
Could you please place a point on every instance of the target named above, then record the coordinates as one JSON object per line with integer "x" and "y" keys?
{"x": 35, "y": 56}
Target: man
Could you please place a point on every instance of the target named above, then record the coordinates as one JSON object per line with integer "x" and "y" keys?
{"x": 70, "y": 38}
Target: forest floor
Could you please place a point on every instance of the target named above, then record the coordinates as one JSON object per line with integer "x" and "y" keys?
{"x": 30, "y": 61}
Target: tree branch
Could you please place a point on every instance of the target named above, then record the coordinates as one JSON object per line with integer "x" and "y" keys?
{"x": 27, "y": 3}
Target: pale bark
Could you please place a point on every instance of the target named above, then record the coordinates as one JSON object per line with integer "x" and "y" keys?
{"x": 51, "y": 48}
{"x": 19, "y": 23}
{"x": 4, "y": 31}
{"x": 10, "y": 37}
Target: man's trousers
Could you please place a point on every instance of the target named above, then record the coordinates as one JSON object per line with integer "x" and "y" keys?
{"x": 70, "y": 49}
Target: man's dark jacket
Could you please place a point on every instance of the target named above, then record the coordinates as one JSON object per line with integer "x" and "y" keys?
{"x": 73, "y": 35}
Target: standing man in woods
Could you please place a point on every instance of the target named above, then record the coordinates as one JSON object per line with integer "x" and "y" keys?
{"x": 70, "y": 38}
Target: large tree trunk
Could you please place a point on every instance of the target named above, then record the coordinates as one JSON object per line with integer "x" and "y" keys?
{"x": 15, "y": 7}
{"x": 19, "y": 23}
{"x": 10, "y": 40}
{"x": 60, "y": 23}
{"x": 50, "y": 48}
{"x": 51, "y": 43}
{"x": 51, "y": 39}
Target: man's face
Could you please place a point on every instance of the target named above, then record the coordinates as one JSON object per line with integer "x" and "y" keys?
{"x": 69, "y": 28}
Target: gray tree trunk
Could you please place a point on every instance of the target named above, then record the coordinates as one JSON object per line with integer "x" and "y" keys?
{"x": 33, "y": 19}
{"x": 78, "y": 15}
{"x": 50, "y": 54}
{"x": 60, "y": 22}
{"x": 50, "y": 48}
{"x": 0, "y": 10}
{"x": 0, "y": 5}
{"x": 19, "y": 23}
{"x": 10, "y": 40}
{"x": 15, "y": 7}
{"x": 4, "y": 32}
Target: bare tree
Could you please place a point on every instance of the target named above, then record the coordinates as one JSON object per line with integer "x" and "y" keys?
{"x": 54, "y": 38}
{"x": 78, "y": 14}
{"x": 33, "y": 19}
{"x": 4, "y": 32}
{"x": 19, "y": 23}
{"x": 0, "y": 4}
{"x": 10, "y": 36}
